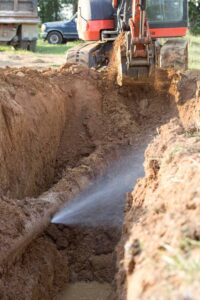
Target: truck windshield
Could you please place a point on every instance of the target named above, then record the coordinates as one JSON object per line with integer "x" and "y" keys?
{"x": 165, "y": 10}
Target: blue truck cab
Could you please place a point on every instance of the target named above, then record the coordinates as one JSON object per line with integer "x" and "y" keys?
{"x": 60, "y": 32}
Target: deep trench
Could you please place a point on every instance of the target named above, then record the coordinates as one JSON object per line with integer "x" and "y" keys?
{"x": 84, "y": 245}
{"x": 89, "y": 236}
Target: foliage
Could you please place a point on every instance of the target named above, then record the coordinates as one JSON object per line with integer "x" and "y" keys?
{"x": 49, "y": 10}
{"x": 73, "y": 2}
{"x": 194, "y": 14}
{"x": 184, "y": 261}
{"x": 194, "y": 52}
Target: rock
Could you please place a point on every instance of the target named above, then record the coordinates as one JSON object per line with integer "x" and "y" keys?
{"x": 20, "y": 74}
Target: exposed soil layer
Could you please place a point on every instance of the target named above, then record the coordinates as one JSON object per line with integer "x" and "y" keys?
{"x": 159, "y": 250}
{"x": 87, "y": 291}
{"x": 60, "y": 131}
{"x": 89, "y": 251}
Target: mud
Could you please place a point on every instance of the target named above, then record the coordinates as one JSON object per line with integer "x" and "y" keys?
{"x": 62, "y": 130}
{"x": 87, "y": 291}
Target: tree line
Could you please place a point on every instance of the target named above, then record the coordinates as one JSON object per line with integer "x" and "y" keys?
{"x": 50, "y": 10}
{"x": 194, "y": 15}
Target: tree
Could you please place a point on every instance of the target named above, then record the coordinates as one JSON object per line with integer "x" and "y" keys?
{"x": 194, "y": 14}
{"x": 49, "y": 10}
{"x": 73, "y": 2}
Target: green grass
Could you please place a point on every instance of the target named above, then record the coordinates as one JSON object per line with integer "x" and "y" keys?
{"x": 194, "y": 52}
{"x": 46, "y": 48}
{"x": 43, "y": 48}
{"x": 182, "y": 260}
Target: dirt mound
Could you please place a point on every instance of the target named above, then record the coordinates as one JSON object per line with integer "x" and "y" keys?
{"x": 161, "y": 231}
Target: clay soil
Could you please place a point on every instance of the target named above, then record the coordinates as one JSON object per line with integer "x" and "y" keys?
{"x": 159, "y": 249}
{"x": 60, "y": 131}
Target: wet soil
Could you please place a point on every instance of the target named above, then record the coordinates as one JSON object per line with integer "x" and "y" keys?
{"x": 87, "y": 291}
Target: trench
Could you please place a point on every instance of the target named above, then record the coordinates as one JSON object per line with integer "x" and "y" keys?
{"x": 88, "y": 153}
{"x": 90, "y": 230}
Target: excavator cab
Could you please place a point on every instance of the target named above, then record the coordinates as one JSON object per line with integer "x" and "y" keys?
{"x": 167, "y": 18}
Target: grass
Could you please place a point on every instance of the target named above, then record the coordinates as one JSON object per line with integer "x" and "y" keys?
{"x": 194, "y": 52}
{"x": 43, "y": 48}
{"x": 182, "y": 260}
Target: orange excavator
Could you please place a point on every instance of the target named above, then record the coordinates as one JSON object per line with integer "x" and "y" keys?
{"x": 150, "y": 32}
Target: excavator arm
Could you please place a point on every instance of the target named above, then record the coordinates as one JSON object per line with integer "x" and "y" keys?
{"x": 135, "y": 55}
{"x": 137, "y": 24}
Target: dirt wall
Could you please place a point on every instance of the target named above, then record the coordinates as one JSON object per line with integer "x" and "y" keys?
{"x": 39, "y": 119}
{"x": 90, "y": 123}
{"x": 159, "y": 249}
{"x": 29, "y": 116}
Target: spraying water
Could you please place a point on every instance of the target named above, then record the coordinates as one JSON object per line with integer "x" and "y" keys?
{"x": 103, "y": 203}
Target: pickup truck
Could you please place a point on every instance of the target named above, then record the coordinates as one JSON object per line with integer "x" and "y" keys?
{"x": 60, "y": 32}
{"x": 19, "y": 23}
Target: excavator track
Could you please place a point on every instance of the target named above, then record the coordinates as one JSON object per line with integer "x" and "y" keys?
{"x": 92, "y": 54}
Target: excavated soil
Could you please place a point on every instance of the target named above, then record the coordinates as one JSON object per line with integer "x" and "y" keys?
{"x": 159, "y": 249}
{"x": 62, "y": 132}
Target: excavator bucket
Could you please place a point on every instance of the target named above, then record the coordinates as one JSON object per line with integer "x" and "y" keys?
{"x": 134, "y": 71}
{"x": 172, "y": 55}
{"x": 128, "y": 75}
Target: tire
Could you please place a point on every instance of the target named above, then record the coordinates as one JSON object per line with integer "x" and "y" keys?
{"x": 23, "y": 45}
{"x": 55, "y": 38}
{"x": 64, "y": 41}
{"x": 32, "y": 46}
{"x": 28, "y": 46}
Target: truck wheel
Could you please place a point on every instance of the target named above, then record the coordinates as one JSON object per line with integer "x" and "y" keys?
{"x": 23, "y": 45}
{"x": 55, "y": 38}
{"x": 32, "y": 46}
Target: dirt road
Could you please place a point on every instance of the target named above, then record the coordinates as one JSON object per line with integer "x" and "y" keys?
{"x": 30, "y": 60}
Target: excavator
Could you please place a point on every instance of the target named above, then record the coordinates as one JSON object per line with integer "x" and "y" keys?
{"x": 143, "y": 36}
